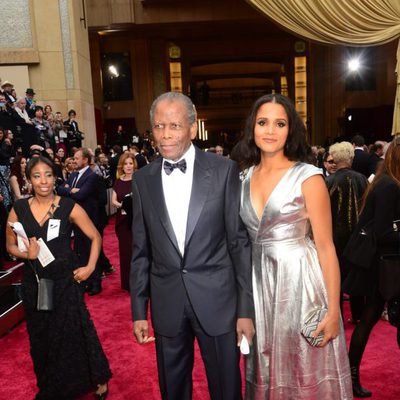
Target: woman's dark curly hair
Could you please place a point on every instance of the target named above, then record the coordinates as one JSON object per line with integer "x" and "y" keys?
{"x": 246, "y": 152}
{"x": 16, "y": 170}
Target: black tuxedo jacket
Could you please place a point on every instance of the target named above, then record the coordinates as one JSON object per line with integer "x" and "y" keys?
{"x": 215, "y": 272}
{"x": 361, "y": 162}
{"x": 87, "y": 197}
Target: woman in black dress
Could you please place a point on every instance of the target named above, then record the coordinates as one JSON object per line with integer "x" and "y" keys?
{"x": 67, "y": 356}
{"x": 122, "y": 187}
{"x": 382, "y": 207}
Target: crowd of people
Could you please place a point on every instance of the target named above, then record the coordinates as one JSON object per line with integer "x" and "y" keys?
{"x": 233, "y": 251}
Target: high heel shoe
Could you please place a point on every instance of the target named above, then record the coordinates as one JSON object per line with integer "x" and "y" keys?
{"x": 358, "y": 390}
{"x": 101, "y": 396}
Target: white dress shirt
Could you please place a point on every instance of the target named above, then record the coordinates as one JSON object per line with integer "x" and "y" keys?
{"x": 80, "y": 173}
{"x": 177, "y": 189}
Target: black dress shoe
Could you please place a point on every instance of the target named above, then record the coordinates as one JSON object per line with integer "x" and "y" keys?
{"x": 94, "y": 290}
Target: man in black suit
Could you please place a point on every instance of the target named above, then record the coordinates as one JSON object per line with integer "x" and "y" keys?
{"x": 361, "y": 161}
{"x": 83, "y": 186}
{"x": 141, "y": 161}
{"x": 191, "y": 257}
{"x": 376, "y": 157}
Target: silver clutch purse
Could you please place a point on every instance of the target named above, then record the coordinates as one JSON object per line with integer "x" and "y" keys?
{"x": 310, "y": 325}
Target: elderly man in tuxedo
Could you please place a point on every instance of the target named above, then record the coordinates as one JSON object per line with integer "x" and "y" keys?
{"x": 191, "y": 257}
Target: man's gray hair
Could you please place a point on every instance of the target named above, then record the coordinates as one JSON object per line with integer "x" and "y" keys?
{"x": 342, "y": 152}
{"x": 175, "y": 96}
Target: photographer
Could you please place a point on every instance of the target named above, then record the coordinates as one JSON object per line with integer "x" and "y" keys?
{"x": 44, "y": 132}
{"x": 60, "y": 133}
{"x": 75, "y": 137}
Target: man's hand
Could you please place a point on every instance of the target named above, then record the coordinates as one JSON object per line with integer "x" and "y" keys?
{"x": 74, "y": 190}
{"x": 141, "y": 332}
{"x": 244, "y": 326}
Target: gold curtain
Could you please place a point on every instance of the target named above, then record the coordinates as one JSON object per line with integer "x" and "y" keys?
{"x": 341, "y": 22}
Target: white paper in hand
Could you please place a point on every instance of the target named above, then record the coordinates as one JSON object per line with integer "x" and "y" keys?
{"x": 45, "y": 256}
{"x": 21, "y": 234}
{"x": 244, "y": 346}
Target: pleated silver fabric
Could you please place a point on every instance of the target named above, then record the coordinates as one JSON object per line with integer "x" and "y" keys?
{"x": 288, "y": 284}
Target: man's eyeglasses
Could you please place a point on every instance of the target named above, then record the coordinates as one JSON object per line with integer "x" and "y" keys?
{"x": 330, "y": 162}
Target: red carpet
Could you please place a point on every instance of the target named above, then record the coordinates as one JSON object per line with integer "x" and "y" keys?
{"x": 134, "y": 367}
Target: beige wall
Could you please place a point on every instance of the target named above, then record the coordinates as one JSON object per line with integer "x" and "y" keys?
{"x": 61, "y": 72}
{"x": 18, "y": 75}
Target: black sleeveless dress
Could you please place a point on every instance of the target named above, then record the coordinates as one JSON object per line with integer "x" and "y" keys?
{"x": 67, "y": 355}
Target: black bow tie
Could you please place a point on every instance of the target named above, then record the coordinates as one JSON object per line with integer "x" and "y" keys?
{"x": 168, "y": 167}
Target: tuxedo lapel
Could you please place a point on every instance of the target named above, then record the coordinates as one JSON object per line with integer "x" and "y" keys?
{"x": 200, "y": 189}
{"x": 83, "y": 178}
{"x": 154, "y": 186}
{"x": 71, "y": 178}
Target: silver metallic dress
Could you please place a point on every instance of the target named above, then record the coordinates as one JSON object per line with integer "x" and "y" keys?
{"x": 287, "y": 285}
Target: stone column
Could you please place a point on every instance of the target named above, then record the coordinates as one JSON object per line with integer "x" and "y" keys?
{"x": 51, "y": 41}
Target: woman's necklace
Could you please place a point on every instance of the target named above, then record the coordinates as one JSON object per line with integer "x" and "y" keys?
{"x": 50, "y": 212}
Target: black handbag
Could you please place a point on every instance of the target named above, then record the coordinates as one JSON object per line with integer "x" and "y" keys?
{"x": 389, "y": 275}
{"x": 361, "y": 248}
{"x": 45, "y": 293}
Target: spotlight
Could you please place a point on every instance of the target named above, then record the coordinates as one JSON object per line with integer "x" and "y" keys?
{"x": 354, "y": 64}
{"x": 113, "y": 71}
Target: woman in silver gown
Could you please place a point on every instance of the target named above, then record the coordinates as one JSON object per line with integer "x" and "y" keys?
{"x": 294, "y": 272}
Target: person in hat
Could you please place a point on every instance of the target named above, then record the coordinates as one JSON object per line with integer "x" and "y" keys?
{"x": 7, "y": 89}
{"x": 30, "y": 102}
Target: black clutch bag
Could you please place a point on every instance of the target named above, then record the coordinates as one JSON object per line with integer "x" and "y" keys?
{"x": 45, "y": 295}
{"x": 310, "y": 325}
{"x": 127, "y": 206}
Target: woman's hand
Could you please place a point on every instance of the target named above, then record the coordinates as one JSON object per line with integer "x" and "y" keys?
{"x": 82, "y": 274}
{"x": 330, "y": 326}
{"x": 32, "y": 248}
